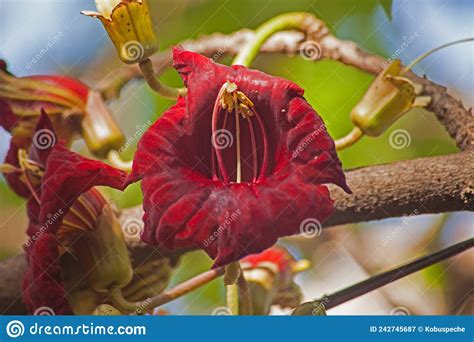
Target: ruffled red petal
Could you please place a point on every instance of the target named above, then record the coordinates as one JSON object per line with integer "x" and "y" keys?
{"x": 43, "y": 287}
{"x": 185, "y": 208}
{"x": 67, "y": 176}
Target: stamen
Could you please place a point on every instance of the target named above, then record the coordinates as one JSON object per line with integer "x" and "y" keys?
{"x": 215, "y": 117}
{"x": 81, "y": 218}
{"x": 237, "y": 133}
{"x": 263, "y": 170}
{"x": 30, "y": 187}
{"x": 254, "y": 150}
{"x": 26, "y": 167}
{"x": 231, "y": 100}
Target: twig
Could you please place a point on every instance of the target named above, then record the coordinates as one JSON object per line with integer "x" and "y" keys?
{"x": 388, "y": 277}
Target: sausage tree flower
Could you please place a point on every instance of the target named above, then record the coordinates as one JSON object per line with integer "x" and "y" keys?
{"x": 228, "y": 147}
{"x": 270, "y": 277}
{"x": 69, "y": 215}
{"x": 75, "y": 110}
{"x": 129, "y": 26}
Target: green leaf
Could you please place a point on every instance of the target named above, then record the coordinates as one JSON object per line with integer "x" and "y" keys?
{"x": 387, "y": 7}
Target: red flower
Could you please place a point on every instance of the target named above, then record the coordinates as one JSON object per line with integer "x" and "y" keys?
{"x": 279, "y": 259}
{"x": 64, "y": 180}
{"x": 191, "y": 194}
{"x": 75, "y": 110}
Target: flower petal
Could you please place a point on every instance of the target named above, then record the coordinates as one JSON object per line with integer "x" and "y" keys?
{"x": 67, "y": 176}
{"x": 42, "y": 285}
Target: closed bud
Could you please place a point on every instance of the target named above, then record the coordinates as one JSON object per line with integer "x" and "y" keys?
{"x": 388, "y": 98}
{"x": 99, "y": 130}
{"x": 129, "y": 26}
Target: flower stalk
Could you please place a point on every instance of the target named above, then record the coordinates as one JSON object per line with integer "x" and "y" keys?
{"x": 148, "y": 71}
{"x": 116, "y": 160}
{"x": 283, "y": 22}
{"x": 178, "y": 291}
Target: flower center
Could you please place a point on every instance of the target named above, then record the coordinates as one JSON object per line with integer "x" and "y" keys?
{"x": 232, "y": 101}
{"x": 84, "y": 212}
{"x": 82, "y": 216}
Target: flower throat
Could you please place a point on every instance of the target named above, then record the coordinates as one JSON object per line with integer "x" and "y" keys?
{"x": 232, "y": 101}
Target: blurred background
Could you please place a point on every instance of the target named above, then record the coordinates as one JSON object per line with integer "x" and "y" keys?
{"x": 51, "y": 37}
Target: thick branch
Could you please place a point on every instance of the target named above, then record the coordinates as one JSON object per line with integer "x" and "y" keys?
{"x": 413, "y": 187}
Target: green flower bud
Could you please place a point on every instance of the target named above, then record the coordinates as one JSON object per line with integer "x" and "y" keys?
{"x": 388, "y": 98}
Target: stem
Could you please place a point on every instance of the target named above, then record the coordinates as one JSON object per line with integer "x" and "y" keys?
{"x": 167, "y": 296}
{"x": 350, "y": 139}
{"x": 114, "y": 158}
{"x": 148, "y": 71}
{"x": 231, "y": 276}
{"x": 426, "y": 54}
{"x": 287, "y": 21}
{"x": 246, "y": 305}
{"x": 121, "y": 303}
{"x": 388, "y": 277}
{"x": 232, "y": 296}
